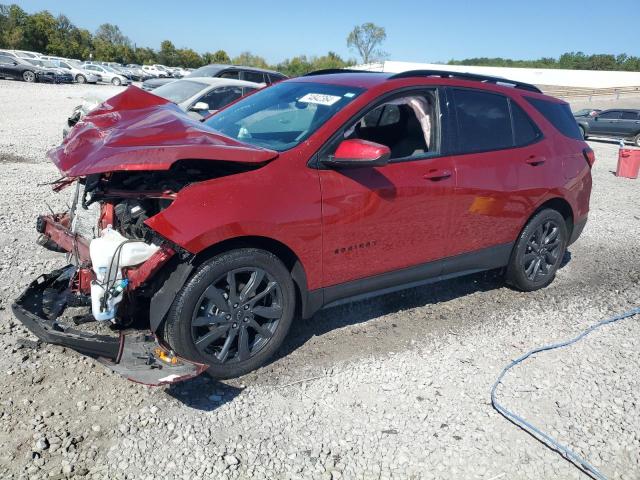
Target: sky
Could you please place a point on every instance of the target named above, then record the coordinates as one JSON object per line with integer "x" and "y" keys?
{"x": 419, "y": 31}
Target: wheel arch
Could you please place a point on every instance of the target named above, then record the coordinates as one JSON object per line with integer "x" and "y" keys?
{"x": 307, "y": 302}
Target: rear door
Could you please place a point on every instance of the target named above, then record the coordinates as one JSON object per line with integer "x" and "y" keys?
{"x": 629, "y": 124}
{"x": 382, "y": 219}
{"x": 606, "y": 123}
{"x": 502, "y": 168}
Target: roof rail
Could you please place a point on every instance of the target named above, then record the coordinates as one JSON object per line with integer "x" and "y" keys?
{"x": 467, "y": 76}
{"x": 328, "y": 71}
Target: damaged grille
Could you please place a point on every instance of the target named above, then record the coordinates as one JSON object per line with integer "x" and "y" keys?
{"x": 84, "y": 221}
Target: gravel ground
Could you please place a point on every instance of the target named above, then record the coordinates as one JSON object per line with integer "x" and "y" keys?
{"x": 396, "y": 387}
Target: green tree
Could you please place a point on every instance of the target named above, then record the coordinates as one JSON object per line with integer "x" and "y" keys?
{"x": 250, "y": 60}
{"x": 167, "y": 54}
{"x": 366, "y": 40}
{"x": 219, "y": 56}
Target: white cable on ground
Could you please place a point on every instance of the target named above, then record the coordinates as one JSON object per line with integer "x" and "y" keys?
{"x": 541, "y": 436}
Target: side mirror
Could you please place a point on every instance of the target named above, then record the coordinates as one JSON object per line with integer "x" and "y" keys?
{"x": 359, "y": 153}
{"x": 199, "y": 106}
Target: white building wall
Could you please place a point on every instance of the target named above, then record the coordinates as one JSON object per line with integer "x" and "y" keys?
{"x": 536, "y": 76}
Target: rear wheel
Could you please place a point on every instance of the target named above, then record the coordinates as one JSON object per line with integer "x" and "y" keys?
{"x": 637, "y": 140}
{"x": 582, "y": 132}
{"x": 81, "y": 78}
{"x": 28, "y": 76}
{"x": 538, "y": 251}
{"x": 116, "y": 81}
{"x": 234, "y": 312}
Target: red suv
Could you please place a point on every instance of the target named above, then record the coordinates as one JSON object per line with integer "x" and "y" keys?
{"x": 199, "y": 242}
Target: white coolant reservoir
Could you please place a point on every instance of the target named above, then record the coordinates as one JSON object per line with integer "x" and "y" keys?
{"x": 109, "y": 253}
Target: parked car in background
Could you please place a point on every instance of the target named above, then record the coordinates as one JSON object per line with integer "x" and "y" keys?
{"x": 248, "y": 74}
{"x": 77, "y": 70}
{"x": 60, "y": 74}
{"x": 586, "y": 112}
{"x": 108, "y": 74}
{"x": 26, "y": 54}
{"x": 19, "y": 69}
{"x": 618, "y": 123}
{"x": 154, "y": 72}
{"x": 199, "y": 97}
{"x": 139, "y": 72}
{"x": 313, "y": 191}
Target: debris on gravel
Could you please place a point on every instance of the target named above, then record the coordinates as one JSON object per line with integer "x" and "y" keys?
{"x": 393, "y": 387}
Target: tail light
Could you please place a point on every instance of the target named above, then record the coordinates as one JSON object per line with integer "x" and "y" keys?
{"x": 589, "y": 156}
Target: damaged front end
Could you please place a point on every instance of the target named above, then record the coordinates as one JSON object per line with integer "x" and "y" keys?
{"x": 126, "y": 162}
{"x": 117, "y": 334}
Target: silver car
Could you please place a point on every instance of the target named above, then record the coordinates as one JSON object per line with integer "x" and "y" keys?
{"x": 108, "y": 74}
{"x": 199, "y": 97}
{"x": 80, "y": 74}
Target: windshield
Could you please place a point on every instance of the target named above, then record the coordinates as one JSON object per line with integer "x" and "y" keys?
{"x": 110, "y": 69}
{"x": 179, "y": 91}
{"x": 282, "y": 116}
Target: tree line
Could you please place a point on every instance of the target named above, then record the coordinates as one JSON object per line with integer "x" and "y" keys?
{"x": 569, "y": 61}
{"x": 56, "y": 35}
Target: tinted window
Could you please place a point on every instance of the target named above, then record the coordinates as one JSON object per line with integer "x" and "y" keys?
{"x": 559, "y": 115}
{"x": 282, "y": 116}
{"x": 230, "y": 74}
{"x": 206, "y": 71}
{"x": 483, "y": 120}
{"x": 220, "y": 97}
{"x": 524, "y": 130}
{"x": 253, "y": 77}
{"x": 613, "y": 114}
{"x": 180, "y": 90}
{"x": 5, "y": 59}
{"x": 629, "y": 116}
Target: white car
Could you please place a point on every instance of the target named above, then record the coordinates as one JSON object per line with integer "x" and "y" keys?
{"x": 198, "y": 97}
{"x": 78, "y": 70}
{"x": 108, "y": 74}
{"x": 156, "y": 72}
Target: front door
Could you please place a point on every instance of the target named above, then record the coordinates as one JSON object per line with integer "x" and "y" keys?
{"x": 606, "y": 123}
{"x": 377, "y": 220}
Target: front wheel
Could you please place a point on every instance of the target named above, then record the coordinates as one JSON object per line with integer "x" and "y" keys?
{"x": 582, "y": 132}
{"x": 233, "y": 313}
{"x": 637, "y": 140}
{"x": 81, "y": 79}
{"x": 538, "y": 252}
{"x": 116, "y": 81}
{"x": 29, "y": 76}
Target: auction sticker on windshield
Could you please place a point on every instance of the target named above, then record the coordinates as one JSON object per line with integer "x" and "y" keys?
{"x": 320, "y": 99}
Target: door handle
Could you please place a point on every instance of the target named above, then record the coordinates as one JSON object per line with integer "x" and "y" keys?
{"x": 436, "y": 175}
{"x": 535, "y": 161}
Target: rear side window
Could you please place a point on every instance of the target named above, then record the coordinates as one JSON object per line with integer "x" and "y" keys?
{"x": 559, "y": 115}
{"x": 484, "y": 122}
{"x": 524, "y": 130}
{"x": 629, "y": 116}
{"x": 256, "y": 77}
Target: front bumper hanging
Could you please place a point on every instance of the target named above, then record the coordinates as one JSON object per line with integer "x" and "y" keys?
{"x": 136, "y": 355}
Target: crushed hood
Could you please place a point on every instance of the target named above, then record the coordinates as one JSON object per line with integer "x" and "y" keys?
{"x": 136, "y": 130}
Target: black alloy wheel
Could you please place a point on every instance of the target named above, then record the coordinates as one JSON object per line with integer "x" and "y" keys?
{"x": 542, "y": 251}
{"x": 233, "y": 313}
{"x": 237, "y": 315}
{"x": 538, "y": 251}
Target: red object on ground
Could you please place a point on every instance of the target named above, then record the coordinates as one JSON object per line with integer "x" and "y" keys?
{"x": 628, "y": 163}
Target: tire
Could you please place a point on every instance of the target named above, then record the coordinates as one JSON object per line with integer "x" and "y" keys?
{"x": 208, "y": 324}
{"x": 636, "y": 140}
{"x": 81, "y": 78}
{"x": 116, "y": 81}
{"x": 546, "y": 228}
{"x": 29, "y": 76}
{"x": 582, "y": 132}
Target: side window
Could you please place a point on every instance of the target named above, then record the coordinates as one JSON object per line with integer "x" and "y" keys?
{"x": 484, "y": 122}
{"x": 230, "y": 74}
{"x": 65, "y": 65}
{"x": 220, "y": 97}
{"x": 407, "y": 125}
{"x": 5, "y": 59}
{"x": 248, "y": 90}
{"x": 559, "y": 115}
{"x": 629, "y": 116}
{"x": 524, "y": 130}
{"x": 255, "y": 77}
{"x": 610, "y": 115}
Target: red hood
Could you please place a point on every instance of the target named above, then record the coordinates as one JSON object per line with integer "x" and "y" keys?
{"x": 136, "y": 130}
